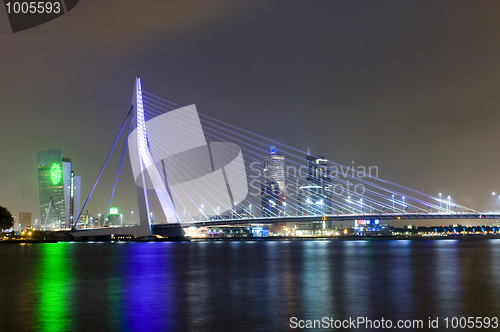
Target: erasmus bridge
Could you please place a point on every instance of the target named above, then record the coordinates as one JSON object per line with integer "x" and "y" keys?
{"x": 202, "y": 171}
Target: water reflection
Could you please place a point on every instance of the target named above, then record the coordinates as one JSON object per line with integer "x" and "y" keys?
{"x": 316, "y": 279}
{"x": 257, "y": 285}
{"x": 447, "y": 278}
{"x": 476, "y": 277}
{"x": 54, "y": 280}
{"x": 147, "y": 287}
{"x": 355, "y": 277}
{"x": 399, "y": 286}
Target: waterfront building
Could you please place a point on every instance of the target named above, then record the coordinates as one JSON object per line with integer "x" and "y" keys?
{"x": 58, "y": 190}
{"x": 371, "y": 227}
{"x": 273, "y": 193}
{"x": 21, "y": 220}
{"x": 279, "y": 229}
{"x": 312, "y": 226}
{"x": 274, "y": 168}
{"x": 315, "y": 196}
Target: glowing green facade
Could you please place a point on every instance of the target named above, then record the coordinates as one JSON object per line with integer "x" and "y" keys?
{"x": 56, "y": 183}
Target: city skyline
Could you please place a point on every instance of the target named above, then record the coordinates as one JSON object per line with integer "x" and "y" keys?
{"x": 417, "y": 99}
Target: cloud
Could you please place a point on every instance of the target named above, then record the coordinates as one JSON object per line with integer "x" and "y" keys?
{"x": 114, "y": 26}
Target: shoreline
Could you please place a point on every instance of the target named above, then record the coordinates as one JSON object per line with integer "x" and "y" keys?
{"x": 275, "y": 238}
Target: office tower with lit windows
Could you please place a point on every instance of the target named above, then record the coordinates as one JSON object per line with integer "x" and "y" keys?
{"x": 273, "y": 192}
{"x": 58, "y": 190}
{"x": 270, "y": 198}
{"x": 315, "y": 196}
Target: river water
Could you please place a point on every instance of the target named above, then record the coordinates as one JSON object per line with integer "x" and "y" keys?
{"x": 244, "y": 285}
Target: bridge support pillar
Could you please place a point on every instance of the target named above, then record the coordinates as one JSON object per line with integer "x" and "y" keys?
{"x": 168, "y": 231}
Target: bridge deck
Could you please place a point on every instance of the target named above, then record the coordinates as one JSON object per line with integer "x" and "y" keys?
{"x": 340, "y": 217}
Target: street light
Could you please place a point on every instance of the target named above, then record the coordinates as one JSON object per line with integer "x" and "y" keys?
{"x": 393, "y": 208}
{"x": 403, "y": 205}
{"x": 440, "y": 207}
{"x": 494, "y": 202}
{"x": 449, "y": 204}
{"x": 361, "y": 204}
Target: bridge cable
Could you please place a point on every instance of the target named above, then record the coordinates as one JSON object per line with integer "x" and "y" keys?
{"x": 385, "y": 197}
{"x": 254, "y": 158}
{"x": 335, "y": 179}
{"x": 102, "y": 169}
{"x": 219, "y": 138}
{"x": 119, "y": 167}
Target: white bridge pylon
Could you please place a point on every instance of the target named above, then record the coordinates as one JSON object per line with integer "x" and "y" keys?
{"x": 184, "y": 175}
{"x": 171, "y": 158}
{"x": 143, "y": 164}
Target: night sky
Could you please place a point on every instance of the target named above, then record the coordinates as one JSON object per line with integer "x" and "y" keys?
{"x": 409, "y": 86}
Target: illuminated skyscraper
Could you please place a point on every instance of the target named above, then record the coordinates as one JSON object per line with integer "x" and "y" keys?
{"x": 316, "y": 167}
{"x": 58, "y": 190}
{"x": 315, "y": 197}
{"x": 274, "y": 168}
{"x": 273, "y": 193}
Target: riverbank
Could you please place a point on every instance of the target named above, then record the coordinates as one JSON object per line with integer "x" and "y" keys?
{"x": 270, "y": 238}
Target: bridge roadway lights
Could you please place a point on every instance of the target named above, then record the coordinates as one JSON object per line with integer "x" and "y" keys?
{"x": 385, "y": 216}
{"x": 174, "y": 231}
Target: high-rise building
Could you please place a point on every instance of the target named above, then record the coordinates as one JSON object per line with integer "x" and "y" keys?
{"x": 58, "y": 190}
{"x": 316, "y": 167}
{"x": 273, "y": 192}
{"x": 315, "y": 196}
{"x": 274, "y": 168}
{"x": 270, "y": 199}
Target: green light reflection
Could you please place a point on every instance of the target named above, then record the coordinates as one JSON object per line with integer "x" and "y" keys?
{"x": 54, "y": 288}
